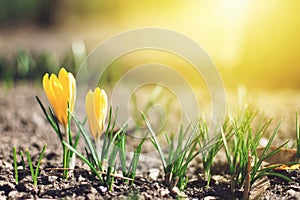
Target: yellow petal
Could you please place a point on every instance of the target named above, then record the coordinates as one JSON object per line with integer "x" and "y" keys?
{"x": 100, "y": 100}
{"x": 97, "y": 102}
{"x": 64, "y": 81}
{"x": 89, "y": 106}
{"x": 61, "y": 99}
{"x": 68, "y": 83}
{"x": 72, "y": 86}
{"x": 103, "y": 108}
{"x": 49, "y": 92}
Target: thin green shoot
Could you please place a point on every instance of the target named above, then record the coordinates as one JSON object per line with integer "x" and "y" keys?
{"x": 22, "y": 160}
{"x": 35, "y": 172}
{"x": 16, "y": 165}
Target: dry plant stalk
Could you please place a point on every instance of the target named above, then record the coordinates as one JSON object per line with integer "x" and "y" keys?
{"x": 248, "y": 177}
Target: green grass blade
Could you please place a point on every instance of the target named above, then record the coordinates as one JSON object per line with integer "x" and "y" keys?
{"x": 109, "y": 120}
{"x": 16, "y": 165}
{"x": 168, "y": 139}
{"x": 226, "y": 147}
{"x": 31, "y": 167}
{"x": 113, "y": 156}
{"x": 22, "y": 160}
{"x": 155, "y": 140}
{"x": 109, "y": 129}
{"x": 122, "y": 153}
{"x": 115, "y": 121}
{"x": 135, "y": 159}
{"x": 39, "y": 161}
{"x": 76, "y": 140}
{"x": 279, "y": 175}
{"x": 263, "y": 155}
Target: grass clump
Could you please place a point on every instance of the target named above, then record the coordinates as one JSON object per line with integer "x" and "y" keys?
{"x": 34, "y": 172}
{"x": 244, "y": 163}
{"x": 180, "y": 153}
{"x": 208, "y": 154}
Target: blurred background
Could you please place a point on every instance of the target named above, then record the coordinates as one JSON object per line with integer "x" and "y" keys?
{"x": 252, "y": 42}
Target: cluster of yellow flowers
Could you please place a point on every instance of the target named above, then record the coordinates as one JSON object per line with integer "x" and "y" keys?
{"x": 61, "y": 93}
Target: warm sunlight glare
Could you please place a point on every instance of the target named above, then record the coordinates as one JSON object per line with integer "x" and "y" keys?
{"x": 233, "y": 16}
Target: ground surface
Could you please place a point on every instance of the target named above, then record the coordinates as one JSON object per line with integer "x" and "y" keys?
{"x": 22, "y": 125}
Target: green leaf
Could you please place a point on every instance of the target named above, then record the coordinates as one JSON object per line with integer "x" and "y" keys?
{"x": 88, "y": 141}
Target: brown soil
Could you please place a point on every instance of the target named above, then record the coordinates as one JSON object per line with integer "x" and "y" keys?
{"x": 23, "y": 125}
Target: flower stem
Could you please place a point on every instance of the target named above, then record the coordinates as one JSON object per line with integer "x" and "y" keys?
{"x": 66, "y": 155}
{"x": 98, "y": 148}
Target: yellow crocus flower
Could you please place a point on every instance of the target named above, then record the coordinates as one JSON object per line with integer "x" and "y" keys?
{"x": 60, "y": 92}
{"x": 96, "y": 109}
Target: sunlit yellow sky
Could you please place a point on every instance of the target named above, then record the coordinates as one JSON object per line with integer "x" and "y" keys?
{"x": 252, "y": 42}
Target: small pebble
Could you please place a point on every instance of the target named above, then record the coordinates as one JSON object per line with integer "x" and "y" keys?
{"x": 154, "y": 173}
{"x": 103, "y": 189}
{"x": 52, "y": 178}
{"x": 291, "y": 192}
{"x": 80, "y": 178}
{"x": 13, "y": 194}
